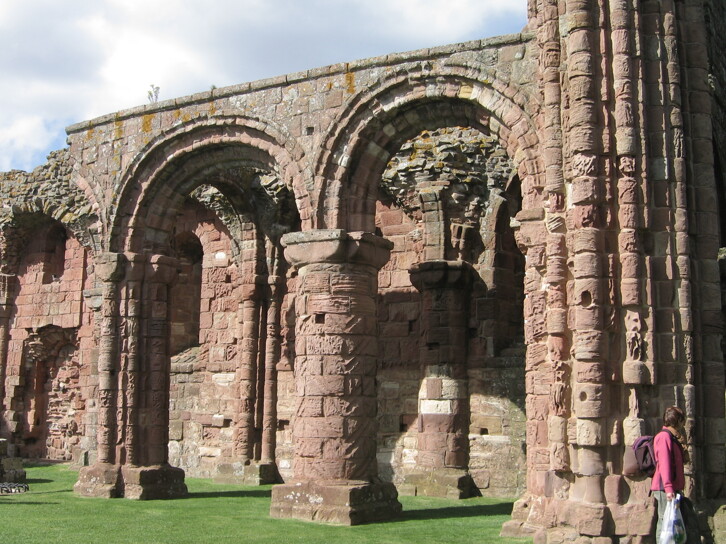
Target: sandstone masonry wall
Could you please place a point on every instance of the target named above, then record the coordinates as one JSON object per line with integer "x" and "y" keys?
{"x": 495, "y": 261}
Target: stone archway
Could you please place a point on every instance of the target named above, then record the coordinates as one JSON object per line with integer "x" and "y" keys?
{"x": 359, "y": 149}
{"x": 43, "y": 339}
{"x": 133, "y": 449}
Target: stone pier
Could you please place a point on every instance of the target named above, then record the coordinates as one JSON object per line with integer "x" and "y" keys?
{"x": 443, "y": 416}
{"x": 335, "y": 470}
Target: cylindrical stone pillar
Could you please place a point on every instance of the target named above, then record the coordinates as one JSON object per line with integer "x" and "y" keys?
{"x": 101, "y": 478}
{"x": 246, "y": 375}
{"x": 334, "y": 467}
{"x": 130, "y": 357}
{"x": 153, "y": 478}
{"x": 443, "y": 418}
{"x": 272, "y": 357}
{"x": 7, "y": 296}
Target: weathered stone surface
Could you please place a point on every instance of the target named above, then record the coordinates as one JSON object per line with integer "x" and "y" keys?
{"x": 337, "y": 503}
{"x": 555, "y": 200}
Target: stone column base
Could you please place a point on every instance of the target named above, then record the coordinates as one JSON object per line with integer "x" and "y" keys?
{"x": 344, "y": 503}
{"x": 99, "y": 480}
{"x": 450, "y": 483}
{"x": 241, "y": 473}
{"x": 555, "y": 521}
{"x": 11, "y": 468}
{"x": 153, "y": 482}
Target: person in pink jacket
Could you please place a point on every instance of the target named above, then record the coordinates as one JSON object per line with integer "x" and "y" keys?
{"x": 669, "y": 458}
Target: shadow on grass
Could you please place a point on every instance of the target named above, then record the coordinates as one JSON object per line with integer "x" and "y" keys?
{"x": 38, "y": 463}
{"x": 54, "y": 492}
{"x": 31, "y": 481}
{"x": 463, "y": 511}
{"x": 241, "y": 493}
{"x": 4, "y": 502}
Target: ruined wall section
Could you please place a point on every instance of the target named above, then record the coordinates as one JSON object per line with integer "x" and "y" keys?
{"x": 48, "y": 190}
{"x": 298, "y": 111}
{"x": 48, "y": 363}
{"x": 606, "y": 119}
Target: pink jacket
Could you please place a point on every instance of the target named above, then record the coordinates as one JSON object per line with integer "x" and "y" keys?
{"x": 668, "y": 475}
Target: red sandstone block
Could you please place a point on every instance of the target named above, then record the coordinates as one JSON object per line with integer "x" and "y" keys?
{"x": 389, "y": 218}
{"x": 354, "y": 365}
{"x": 310, "y": 407}
{"x": 409, "y": 350}
{"x": 437, "y": 423}
{"x": 319, "y": 427}
{"x": 395, "y": 329}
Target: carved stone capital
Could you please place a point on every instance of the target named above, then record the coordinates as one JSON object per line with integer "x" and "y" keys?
{"x": 109, "y": 266}
{"x": 135, "y": 266}
{"x": 442, "y": 275}
{"x": 161, "y": 269}
{"x": 336, "y": 246}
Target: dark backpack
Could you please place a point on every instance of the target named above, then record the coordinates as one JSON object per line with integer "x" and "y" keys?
{"x": 640, "y": 459}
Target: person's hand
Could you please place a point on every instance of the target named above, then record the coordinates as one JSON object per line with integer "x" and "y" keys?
{"x": 670, "y": 496}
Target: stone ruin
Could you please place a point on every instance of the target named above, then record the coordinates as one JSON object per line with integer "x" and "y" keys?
{"x": 483, "y": 268}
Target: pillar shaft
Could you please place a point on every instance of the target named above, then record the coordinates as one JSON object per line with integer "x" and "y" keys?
{"x": 131, "y": 363}
{"x": 246, "y": 375}
{"x": 7, "y": 296}
{"x": 444, "y": 413}
{"x": 109, "y": 270}
{"x": 335, "y": 426}
{"x": 160, "y": 273}
{"x": 443, "y": 397}
{"x": 272, "y": 357}
{"x": 102, "y": 478}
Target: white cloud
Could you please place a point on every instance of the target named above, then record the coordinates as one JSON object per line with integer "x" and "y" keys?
{"x": 443, "y": 19}
{"x": 66, "y": 62}
{"x": 23, "y": 140}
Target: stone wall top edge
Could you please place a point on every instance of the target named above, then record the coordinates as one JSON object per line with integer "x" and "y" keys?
{"x": 314, "y": 73}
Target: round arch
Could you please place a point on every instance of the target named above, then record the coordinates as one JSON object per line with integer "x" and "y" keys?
{"x": 174, "y": 164}
{"x": 376, "y": 122}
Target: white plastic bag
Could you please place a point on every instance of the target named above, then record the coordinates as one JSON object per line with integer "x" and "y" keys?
{"x": 673, "y": 531}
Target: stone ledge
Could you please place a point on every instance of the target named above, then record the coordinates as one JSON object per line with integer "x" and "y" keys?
{"x": 247, "y": 474}
{"x": 342, "y": 504}
{"x": 450, "y": 483}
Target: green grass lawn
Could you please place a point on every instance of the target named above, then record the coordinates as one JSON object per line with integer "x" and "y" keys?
{"x": 216, "y": 513}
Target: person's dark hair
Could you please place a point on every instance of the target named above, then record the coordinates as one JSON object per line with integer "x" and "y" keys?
{"x": 673, "y": 416}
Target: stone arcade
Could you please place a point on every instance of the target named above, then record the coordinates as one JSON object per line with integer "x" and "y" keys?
{"x": 479, "y": 268}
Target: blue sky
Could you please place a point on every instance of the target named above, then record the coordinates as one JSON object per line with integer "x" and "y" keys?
{"x": 65, "y": 62}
